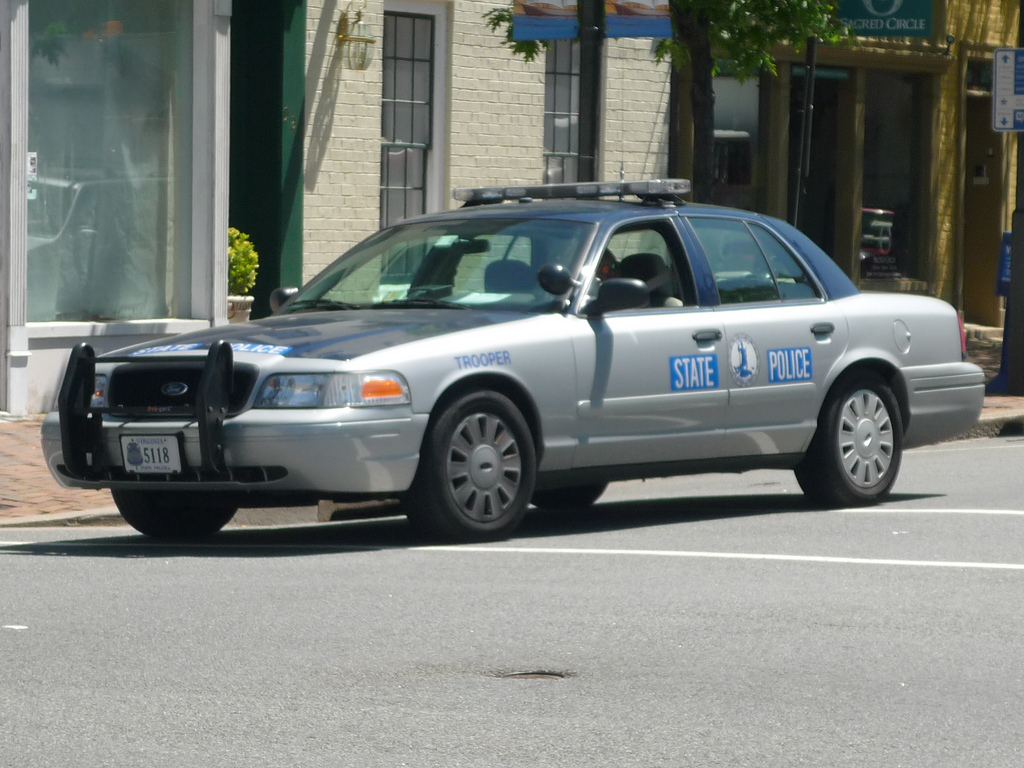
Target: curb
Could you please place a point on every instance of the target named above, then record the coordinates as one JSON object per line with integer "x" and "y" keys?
{"x": 109, "y": 514}
{"x": 996, "y": 426}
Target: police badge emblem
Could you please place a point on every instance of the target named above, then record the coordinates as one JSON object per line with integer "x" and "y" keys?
{"x": 743, "y": 360}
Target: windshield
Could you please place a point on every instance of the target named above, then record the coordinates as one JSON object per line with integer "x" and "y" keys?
{"x": 455, "y": 263}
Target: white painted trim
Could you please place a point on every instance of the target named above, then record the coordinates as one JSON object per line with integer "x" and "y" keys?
{"x": 211, "y": 106}
{"x": 14, "y": 61}
{"x": 436, "y": 193}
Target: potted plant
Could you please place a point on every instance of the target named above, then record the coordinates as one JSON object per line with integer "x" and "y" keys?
{"x": 243, "y": 262}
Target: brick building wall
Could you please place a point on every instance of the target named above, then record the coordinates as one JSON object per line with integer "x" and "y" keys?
{"x": 494, "y": 109}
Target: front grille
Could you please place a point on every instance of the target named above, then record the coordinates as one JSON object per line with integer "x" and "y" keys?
{"x": 142, "y": 385}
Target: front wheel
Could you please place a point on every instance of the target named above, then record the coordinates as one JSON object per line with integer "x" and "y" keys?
{"x": 856, "y": 453}
{"x": 172, "y": 515}
{"x": 477, "y": 471}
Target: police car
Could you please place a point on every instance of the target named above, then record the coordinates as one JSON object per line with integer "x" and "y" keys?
{"x": 530, "y": 346}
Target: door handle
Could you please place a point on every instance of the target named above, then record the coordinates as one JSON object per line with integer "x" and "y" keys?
{"x": 822, "y": 329}
{"x": 712, "y": 335}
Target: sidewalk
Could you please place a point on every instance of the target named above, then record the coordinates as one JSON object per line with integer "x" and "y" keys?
{"x": 28, "y": 495}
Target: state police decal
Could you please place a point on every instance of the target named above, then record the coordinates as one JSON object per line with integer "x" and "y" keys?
{"x": 693, "y": 372}
{"x": 743, "y": 360}
{"x": 793, "y": 364}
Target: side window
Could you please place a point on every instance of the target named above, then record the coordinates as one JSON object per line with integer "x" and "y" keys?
{"x": 741, "y": 271}
{"x": 644, "y": 252}
{"x": 793, "y": 281}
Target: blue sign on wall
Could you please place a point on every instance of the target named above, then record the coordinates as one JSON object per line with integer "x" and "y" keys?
{"x": 1003, "y": 279}
{"x": 1008, "y": 89}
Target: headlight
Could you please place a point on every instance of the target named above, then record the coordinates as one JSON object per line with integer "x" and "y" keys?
{"x": 99, "y": 392}
{"x": 332, "y": 390}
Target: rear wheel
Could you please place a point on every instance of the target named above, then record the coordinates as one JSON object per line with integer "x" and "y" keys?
{"x": 172, "y": 515}
{"x": 572, "y": 497}
{"x": 857, "y": 451}
{"x": 477, "y": 471}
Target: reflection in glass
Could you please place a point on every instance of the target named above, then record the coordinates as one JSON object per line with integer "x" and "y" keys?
{"x": 110, "y": 124}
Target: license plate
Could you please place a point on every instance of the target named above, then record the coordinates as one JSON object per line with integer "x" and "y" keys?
{"x": 156, "y": 454}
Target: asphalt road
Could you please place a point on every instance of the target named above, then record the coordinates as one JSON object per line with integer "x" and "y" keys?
{"x": 710, "y": 621}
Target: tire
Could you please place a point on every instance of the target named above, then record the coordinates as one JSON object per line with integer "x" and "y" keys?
{"x": 572, "y": 497}
{"x": 172, "y": 515}
{"x": 856, "y": 453}
{"x": 477, "y": 471}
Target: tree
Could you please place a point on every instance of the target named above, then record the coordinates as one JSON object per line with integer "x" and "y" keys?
{"x": 743, "y": 32}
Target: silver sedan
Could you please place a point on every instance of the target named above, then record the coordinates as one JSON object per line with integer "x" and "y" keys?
{"x": 473, "y": 361}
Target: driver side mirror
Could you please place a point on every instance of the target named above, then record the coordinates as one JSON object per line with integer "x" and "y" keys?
{"x": 556, "y": 279}
{"x": 279, "y": 296}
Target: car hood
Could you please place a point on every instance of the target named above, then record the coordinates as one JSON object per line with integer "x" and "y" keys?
{"x": 339, "y": 335}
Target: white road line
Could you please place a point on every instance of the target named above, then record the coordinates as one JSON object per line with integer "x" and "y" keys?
{"x": 967, "y": 445}
{"x": 726, "y": 556}
{"x": 482, "y": 549}
{"x": 936, "y": 511}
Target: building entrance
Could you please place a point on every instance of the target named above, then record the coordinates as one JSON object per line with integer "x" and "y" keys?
{"x": 983, "y": 213}
{"x": 818, "y": 205}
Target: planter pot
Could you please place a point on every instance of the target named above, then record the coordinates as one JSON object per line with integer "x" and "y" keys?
{"x": 239, "y": 308}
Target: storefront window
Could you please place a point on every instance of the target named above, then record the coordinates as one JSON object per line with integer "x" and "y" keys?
{"x": 110, "y": 147}
{"x": 736, "y": 124}
{"x": 890, "y": 246}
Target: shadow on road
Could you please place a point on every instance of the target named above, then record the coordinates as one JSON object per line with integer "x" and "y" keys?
{"x": 395, "y": 533}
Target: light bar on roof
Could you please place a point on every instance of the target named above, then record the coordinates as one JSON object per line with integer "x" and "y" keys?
{"x": 591, "y": 190}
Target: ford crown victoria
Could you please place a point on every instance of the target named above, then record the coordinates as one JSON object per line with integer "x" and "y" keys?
{"x": 532, "y": 345}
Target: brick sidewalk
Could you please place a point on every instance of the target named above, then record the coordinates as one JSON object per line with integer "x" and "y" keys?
{"x": 26, "y": 487}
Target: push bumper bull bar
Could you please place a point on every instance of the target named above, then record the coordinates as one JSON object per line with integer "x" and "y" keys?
{"x": 81, "y": 423}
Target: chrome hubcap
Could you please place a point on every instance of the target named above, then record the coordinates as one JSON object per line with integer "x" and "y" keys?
{"x": 865, "y": 439}
{"x": 484, "y": 467}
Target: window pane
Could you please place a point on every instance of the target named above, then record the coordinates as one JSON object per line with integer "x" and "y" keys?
{"x": 563, "y": 93}
{"x": 396, "y": 205}
{"x": 421, "y": 81}
{"x": 424, "y": 38}
{"x": 741, "y": 272}
{"x": 403, "y": 80}
{"x": 414, "y": 202}
{"x": 389, "y": 35}
{"x": 394, "y": 168}
{"x": 110, "y": 123}
{"x": 403, "y": 122}
{"x": 388, "y": 121}
{"x": 421, "y": 125}
{"x": 414, "y": 161}
{"x": 388, "y": 79}
{"x": 561, "y": 142}
{"x": 403, "y": 36}
{"x": 793, "y": 281}
{"x": 553, "y": 173}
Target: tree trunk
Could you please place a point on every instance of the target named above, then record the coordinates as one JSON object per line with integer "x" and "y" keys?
{"x": 694, "y": 33}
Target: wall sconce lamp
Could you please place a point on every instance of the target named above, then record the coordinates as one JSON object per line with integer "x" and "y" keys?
{"x": 354, "y": 40}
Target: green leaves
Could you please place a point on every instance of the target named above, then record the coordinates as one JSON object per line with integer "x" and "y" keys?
{"x": 243, "y": 263}
{"x": 501, "y": 19}
{"x": 744, "y": 32}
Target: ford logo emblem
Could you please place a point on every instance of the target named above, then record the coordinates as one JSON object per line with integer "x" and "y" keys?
{"x": 174, "y": 388}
